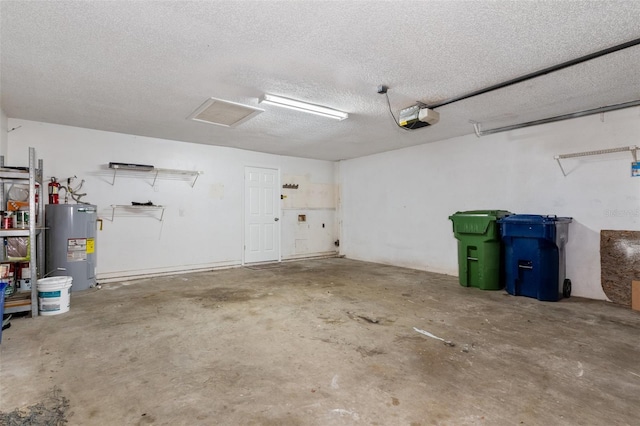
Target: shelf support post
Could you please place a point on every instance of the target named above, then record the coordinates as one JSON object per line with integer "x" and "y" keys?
{"x": 33, "y": 254}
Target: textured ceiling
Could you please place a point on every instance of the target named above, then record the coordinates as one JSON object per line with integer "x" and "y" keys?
{"x": 143, "y": 67}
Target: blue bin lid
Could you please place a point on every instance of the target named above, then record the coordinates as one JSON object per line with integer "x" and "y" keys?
{"x": 534, "y": 219}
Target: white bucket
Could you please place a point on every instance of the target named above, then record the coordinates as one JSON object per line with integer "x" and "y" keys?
{"x": 54, "y": 295}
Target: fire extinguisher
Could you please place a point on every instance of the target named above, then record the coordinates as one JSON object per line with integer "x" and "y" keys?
{"x": 54, "y": 188}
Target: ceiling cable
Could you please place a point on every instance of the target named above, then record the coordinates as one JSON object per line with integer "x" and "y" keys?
{"x": 391, "y": 112}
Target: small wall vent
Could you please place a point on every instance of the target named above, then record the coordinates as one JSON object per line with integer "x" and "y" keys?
{"x": 223, "y": 113}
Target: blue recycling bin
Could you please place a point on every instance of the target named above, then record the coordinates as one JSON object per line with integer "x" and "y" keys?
{"x": 3, "y": 287}
{"x": 535, "y": 256}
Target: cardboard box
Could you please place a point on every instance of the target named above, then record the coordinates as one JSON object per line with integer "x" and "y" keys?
{"x": 5, "y": 271}
{"x": 13, "y": 205}
{"x": 635, "y": 295}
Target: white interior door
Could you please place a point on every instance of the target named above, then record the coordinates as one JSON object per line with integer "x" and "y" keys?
{"x": 262, "y": 215}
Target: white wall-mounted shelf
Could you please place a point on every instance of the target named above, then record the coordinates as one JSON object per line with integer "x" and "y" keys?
{"x": 155, "y": 174}
{"x": 632, "y": 149}
{"x": 138, "y": 210}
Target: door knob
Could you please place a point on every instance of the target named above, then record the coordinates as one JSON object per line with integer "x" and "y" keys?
{"x": 276, "y": 219}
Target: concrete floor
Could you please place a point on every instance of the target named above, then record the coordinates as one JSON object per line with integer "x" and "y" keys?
{"x": 324, "y": 342}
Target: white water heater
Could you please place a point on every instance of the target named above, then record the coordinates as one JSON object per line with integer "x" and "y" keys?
{"x": 70, "y": 242}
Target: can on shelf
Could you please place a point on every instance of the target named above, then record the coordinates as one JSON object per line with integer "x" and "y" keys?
{"x": 22, "y": 219}
{"x": 23, "y": 275}
{"x": 7, "y": 222}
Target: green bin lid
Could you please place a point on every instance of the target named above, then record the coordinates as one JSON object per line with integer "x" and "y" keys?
{"x": 476, "y": 221}
{"x": 495, "y": 213}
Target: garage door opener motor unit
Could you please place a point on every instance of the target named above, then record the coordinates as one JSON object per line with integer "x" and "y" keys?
{"x": 417, "y": 116}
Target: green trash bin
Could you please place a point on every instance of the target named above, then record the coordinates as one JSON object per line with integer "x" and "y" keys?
{"x": 479, "y": 248}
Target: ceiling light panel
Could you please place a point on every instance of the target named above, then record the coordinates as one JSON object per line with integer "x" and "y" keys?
{"x": 224, "y": 113}
{"x": 303, "y": 107}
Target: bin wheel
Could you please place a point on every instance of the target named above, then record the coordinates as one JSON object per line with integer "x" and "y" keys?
{"x": 566, "y": 288}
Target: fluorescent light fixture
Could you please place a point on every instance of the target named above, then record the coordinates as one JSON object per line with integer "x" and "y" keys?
{"x": 303, "y": 106}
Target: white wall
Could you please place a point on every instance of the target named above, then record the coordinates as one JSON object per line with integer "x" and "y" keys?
{"x": 315, "y": 198}
{"x": 203, "y": 225}
{"x": 4, "y": 136}
{"x": 395, "y": 205}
